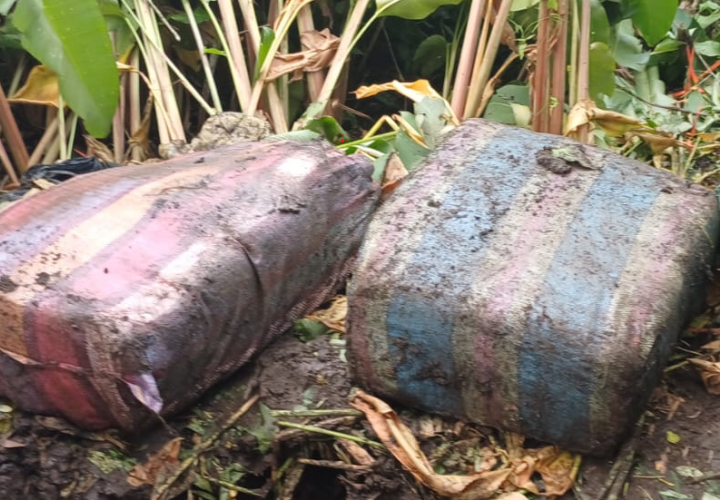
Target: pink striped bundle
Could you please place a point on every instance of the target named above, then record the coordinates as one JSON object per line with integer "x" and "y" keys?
{"x": 139, "y": 287}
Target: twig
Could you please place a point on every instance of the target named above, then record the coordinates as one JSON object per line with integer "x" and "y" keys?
{"x": 705, "y": 477}
{"x": 335, "y": 434}
{"x": 161, "y": 492}
{"x": 232, "y": 487}
{"x": 345, "y": 412}
{"x": 333, "y": 464}
{"x": 12, "y": 132}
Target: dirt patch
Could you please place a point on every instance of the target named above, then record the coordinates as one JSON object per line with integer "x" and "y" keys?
{"x": 282, "y": 449}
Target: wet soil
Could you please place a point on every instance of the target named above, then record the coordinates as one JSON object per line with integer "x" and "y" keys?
{"x": 290, "y": 456}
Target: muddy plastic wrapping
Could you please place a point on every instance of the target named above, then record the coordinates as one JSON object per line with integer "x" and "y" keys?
{"x": 150, "y": 283}
{"x": 529, "y": 283}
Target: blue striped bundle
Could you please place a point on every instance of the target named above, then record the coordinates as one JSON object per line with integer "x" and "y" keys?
{"x": 530, "y": 283}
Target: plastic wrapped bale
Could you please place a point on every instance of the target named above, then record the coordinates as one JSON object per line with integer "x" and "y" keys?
{"x": 530, "y": 283}
{"x": 139, "y": 287}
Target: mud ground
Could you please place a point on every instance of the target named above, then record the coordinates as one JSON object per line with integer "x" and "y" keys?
{"x": 264, "y": 454}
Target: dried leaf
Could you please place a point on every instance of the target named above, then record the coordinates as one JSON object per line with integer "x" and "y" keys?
{"x": 41, "y": 87}
{"x": 395, "y": 172}
{"x": 403, "y": 445}
{"x": 557, "y": 469}
{"x": 709, "y": 373}
{"x": 415, "y": 91}
{"x": 659, "y": 141}
{"x": 157, "y": 465}
{"x": 359, "y": 454}
{"x": 98, "y": 149}
{"x": 320, "y": 48}
{"x": 334, "y": 316}
{"x": 614, "y": 124}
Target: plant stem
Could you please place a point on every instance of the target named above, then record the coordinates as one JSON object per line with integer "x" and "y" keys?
{"x": 583, "y": 67}
{"x": 346, "y": 412}
{"x": 12, "y": 132}
{"x": 232, "y": 45}
{"x": 470, "y": 46}
{"x": 210, "y": 78}
{"x": 540, "y": 94}
{"x": 62, "y": 133}
{"x": 315, "y": 79}
{"x": 559, "y": 70}
{"x": 347, "y": 42}
{"x": 335, "y": 434}
{"x": 480, "y": 79}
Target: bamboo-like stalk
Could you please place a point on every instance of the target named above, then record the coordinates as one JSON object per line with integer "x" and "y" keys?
{"x": 559, "y": 70}
{"x": 209, "y": 77}
{"x": 159, "y": 74}
{"x": 232, "y": 45}
{"x": 281, "y": 29}
{"x": 72, "y": 133}
{"x": 7, "y": 165}
{"x": 12, "y": 133}
{"x": 62, "y": 131}
{"x": 583, "y": 67}
{"x": 470, "y": 46}
{"x": 135, "y": 108}
{"x": 480, "y": 79}
{"x": 251, "y": 25}
{"x": 315, "y": 79}
{"x": 540, "y": 76}
{"x": 159, "y": 51}
{"x": 574, "y": 50}
{"x": 45, "y": 141}
{"x": 349, "y": 38}
{"x": 118, "y": 129}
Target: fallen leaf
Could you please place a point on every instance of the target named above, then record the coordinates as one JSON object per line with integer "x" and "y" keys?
{"x": 672, "y": 437}
{"x": 558, "y": 470}
{"x": 359, "y": 455}
{"x": 334, "y": 316}
{"x": 9, "y": 444}
{"x": 512, "y": 496}
{"x": 709, "y": 373}
{"x": 403, "y": 445}
{"x": 157, "y": 465}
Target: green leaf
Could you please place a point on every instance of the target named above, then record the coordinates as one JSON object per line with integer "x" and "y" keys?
{"x": 599, "y": 24}
{"x": 672, "y": 438}
{"x": 430, "y": 55}
{"x": 628, "y": 49}
{"x": 411, "y": 153}
{"x": 523, "y": 5}
{"x": 654, "y": 18}
{"x": 59, "y": 33}
{"x": 431, "y": 116}
{"x": 509, "y": 105}
{"x": 410, "y": 9}
{"x": 602, "y": 71}
{"x": 308, "y": 330}
{"x": 709, "y": 48}
{"x": 122, "y": 33}
{"x": 5, "y": 6}
{"x": 329, "y": 128}
{"x": 215, "y": 52}
{"x": 267, "y": 37}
